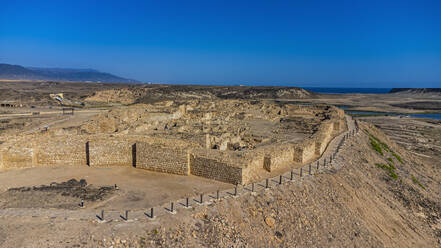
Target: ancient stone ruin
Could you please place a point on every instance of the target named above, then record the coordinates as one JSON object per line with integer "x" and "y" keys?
{"x": 233, "y": 141}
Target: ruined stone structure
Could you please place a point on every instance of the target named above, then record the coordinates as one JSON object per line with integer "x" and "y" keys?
{"x": 233, "y": 141}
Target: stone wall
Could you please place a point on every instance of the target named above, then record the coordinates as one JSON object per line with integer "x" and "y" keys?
{"x": 156, "y": 158}
{"x": 110, "y": 152}
{"x": 213, "y": 169}
{"x": 19, "y": 157}
{"x": 281, "y": 156}
{"x": 308, "y": 150}
{"x": 60, "y": 152}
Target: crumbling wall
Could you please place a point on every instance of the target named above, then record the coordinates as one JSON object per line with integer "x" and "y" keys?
{"x": 155, "y": 158}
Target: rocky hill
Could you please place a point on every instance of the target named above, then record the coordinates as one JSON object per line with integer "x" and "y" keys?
{"x": 153, "y": 93}
{"x": 18, "y": 72}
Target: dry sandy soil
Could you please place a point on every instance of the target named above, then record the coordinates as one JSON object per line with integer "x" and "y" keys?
{"x": 137, "y": 189}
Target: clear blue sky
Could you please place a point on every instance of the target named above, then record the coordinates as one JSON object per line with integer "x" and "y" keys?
{"x": 304, "y": 43}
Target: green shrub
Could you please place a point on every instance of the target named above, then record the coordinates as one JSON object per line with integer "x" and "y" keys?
{"x": 397, "y": 157}
{"x": 390, "y": 169}
{"x": 376, "y": 147}
{"x": 417, "y": 182}
{"x": 382, "y": 144}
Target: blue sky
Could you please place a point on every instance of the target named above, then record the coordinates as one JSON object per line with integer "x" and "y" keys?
{"x": 301, "y": 43}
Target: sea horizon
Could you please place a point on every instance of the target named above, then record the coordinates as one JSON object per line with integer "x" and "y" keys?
{"x": 315, "y": 89}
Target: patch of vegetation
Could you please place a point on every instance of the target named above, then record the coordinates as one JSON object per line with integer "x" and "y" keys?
{"x": 390, "y": 160}
{"x": 382, "y": 144}
{"x": 397, "y": 157}
{"x": 417, "y": 182}
{"x": 390, "y": 169}
{"x": 376, "y": 146}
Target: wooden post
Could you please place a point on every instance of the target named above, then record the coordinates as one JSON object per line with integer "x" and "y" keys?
{"x": 87, "y": 154}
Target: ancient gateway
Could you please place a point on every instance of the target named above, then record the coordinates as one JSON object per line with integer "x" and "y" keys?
{"x": 233, "y": 141}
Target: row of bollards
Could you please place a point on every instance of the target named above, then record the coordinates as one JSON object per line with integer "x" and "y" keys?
{"x": 171, "y": 209}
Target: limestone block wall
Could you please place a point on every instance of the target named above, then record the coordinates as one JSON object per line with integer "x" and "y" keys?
{"x": 274, "y": 157}
{"x": 110, "y": 152}
{"x": 297, "y": 154}
{"x": 308, "y": 150}
{"x": 155, "y": 158}
{"x": 17, "y": 157}
{"x": 201, "y": 165}
{"x": 257, "y": 165}
{"x": 323, "y": 137}
{"x": 283, "y": 155}
{"x": 66, "y": 151}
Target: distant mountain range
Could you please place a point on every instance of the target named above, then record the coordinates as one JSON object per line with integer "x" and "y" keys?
{"x": 18, "y": 72}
